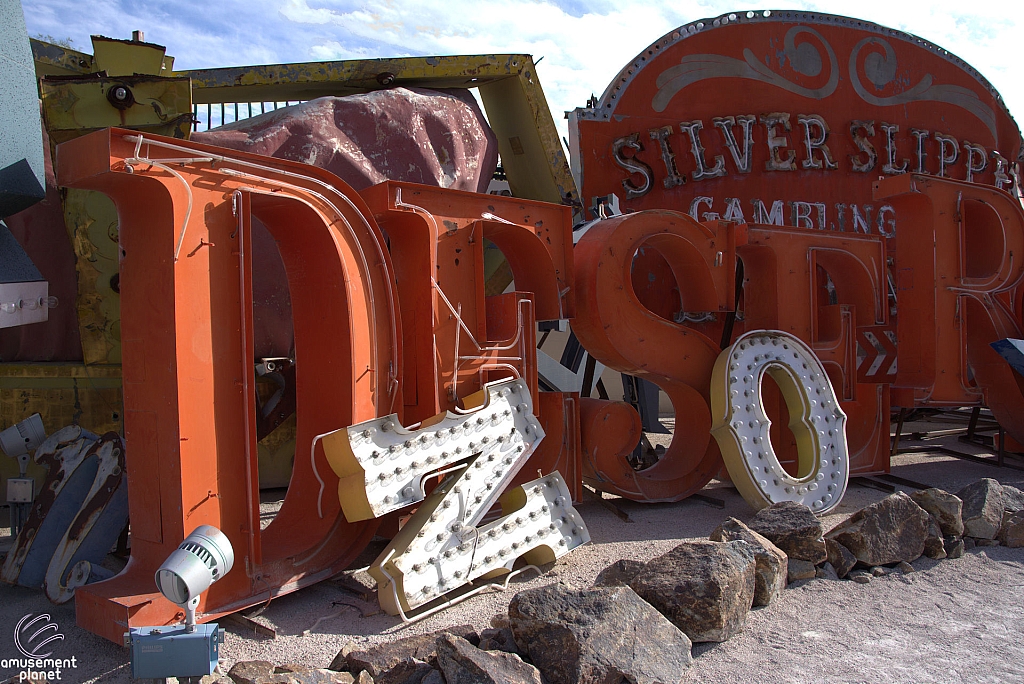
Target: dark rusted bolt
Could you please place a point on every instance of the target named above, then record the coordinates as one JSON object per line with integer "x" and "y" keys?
{"x": 120, "y": 96}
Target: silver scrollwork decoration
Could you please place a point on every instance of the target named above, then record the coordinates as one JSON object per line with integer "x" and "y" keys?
{"x": 804, "y": 57}
{"x": 880, "y": 70}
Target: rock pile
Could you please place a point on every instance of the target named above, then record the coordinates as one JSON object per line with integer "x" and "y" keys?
{"x": 639, "y": 620}
{"x": 891, "y": 533}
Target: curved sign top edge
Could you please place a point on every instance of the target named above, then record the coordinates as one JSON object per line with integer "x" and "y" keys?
{"x": 606, "y": 105}
{"x": 788, "y": 119}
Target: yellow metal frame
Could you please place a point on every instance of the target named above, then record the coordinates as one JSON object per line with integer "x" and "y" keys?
{"x": 62, "y": 393}
{"x": 531, "y": 152}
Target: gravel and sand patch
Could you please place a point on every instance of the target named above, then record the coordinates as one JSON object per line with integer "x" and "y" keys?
{"x": 950, "y": 621}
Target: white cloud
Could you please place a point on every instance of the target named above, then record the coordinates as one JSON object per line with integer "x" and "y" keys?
{"x": 301, "y": 13}
{"x": 583, "y": 43}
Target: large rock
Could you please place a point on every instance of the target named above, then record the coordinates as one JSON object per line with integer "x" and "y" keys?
{"x": 407, "y": 671}
{"x": 840, "y": 557}
{"x": 983, "y": 508}
{"x": 1012, "y": 531}
{"x": 1013, "y": 499}
{"x": 772, "y": 563}
{"x": 340, "y": 661}
{"x": 293, "y": 673}
{"x": 248, "y": 671}
{"x": 463, "y": 663}
{"x": 793, "y": 528}
{"x": 945, "y": 507}
{"x": 433, "y": 137}
{"x": 933, "y": 545}
{"x": 889, "y": 531}
{"x": 826, "y": 571}
{"x": 495, "y": 639}
{"x": 595, "y": 636}
{"x": 619, "y": 574}
{"x": 860, "y": 576}
{"x": 705, "y": 588}
{"x": 292, "y": 667}
{"x": 800, "y": 570}
{"x": 307, "y": 676}
{"x": 423, "y": 647}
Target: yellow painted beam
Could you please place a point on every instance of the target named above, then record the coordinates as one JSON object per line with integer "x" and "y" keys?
{"x": 531, "y": 152}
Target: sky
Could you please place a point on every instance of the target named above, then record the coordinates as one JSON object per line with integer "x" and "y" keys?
{"x": 582, "y": 43}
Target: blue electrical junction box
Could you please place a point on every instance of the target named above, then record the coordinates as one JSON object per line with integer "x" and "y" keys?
{"x": 171, "y": 651}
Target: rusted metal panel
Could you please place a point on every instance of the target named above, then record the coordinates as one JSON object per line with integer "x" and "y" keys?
{"x": 57, "y": 60}
{"x": 73, "y": 106}
{"x": 40, "y": 231}
{"x": 130, "y": 57}
{"x": 62, "y": 394}
{"x": 959, "y": 296}
{"x": 309, "y": 80}
{"x": 77, "y": 516}
{"x": 91, "y": 221}
{"x": 115, "y": 57}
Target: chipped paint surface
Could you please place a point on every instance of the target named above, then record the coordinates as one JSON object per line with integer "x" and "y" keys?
{"x": 77, "y": 516}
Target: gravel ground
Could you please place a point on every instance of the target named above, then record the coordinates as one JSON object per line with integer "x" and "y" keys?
{"x": 951, "y": 621}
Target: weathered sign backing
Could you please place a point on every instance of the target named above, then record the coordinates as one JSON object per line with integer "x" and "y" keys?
{"x": 786, "y": 118}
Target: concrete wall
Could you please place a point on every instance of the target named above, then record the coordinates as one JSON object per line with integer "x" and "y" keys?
{"x": 21, "y": 142}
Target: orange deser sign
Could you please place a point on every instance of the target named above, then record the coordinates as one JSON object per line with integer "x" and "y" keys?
{"x": 807, "y": 194}
{"x": 847, "y": 149}
{"x": 391, "y": 322}
{"x": 786, "y": 118}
